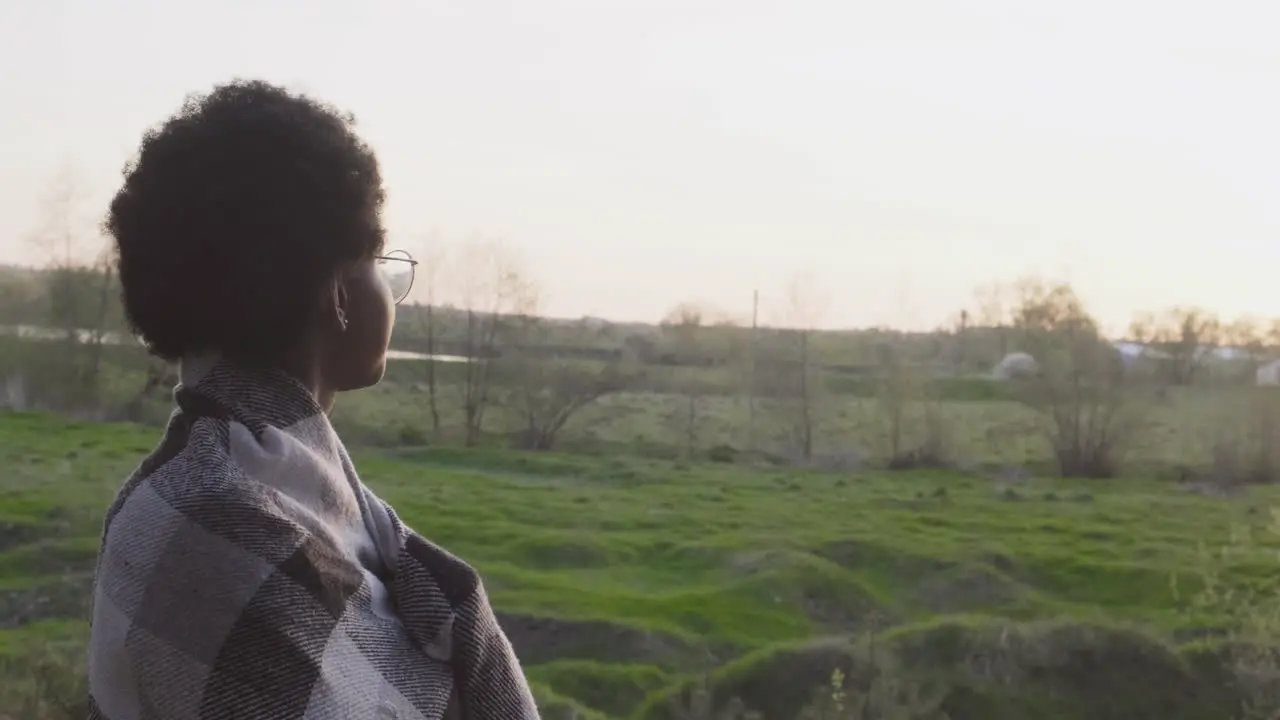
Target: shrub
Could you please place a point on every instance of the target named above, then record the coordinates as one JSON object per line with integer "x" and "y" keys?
{"x": 1087, "y": 403}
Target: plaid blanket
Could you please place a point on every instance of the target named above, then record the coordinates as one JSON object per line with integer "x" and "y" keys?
{"x": 246, "y": 572}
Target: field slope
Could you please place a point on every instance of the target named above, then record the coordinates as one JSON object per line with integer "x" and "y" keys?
{"x": 622, "y": 580}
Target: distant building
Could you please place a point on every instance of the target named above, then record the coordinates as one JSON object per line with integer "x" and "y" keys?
{"x": 1132, "y": 352}
{"x": 1015, "y": 365}
{"x": 13, "y": 393}
{"x": 1269, "y": 374}
{"x": 1210, "y": 354}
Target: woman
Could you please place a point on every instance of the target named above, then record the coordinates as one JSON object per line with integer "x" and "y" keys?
{"x": 245, "y": 570}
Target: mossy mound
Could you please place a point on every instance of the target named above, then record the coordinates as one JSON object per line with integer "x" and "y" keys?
{"x": 979, "y": 670}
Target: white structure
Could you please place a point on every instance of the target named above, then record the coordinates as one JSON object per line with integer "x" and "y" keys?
{"x": 1135, "y": 351}
{"x": 1132, "y": 352}
{"x": 1269, "y": 374}
{"x": 13, "y": 393}
{"x": 1016, "y": 365}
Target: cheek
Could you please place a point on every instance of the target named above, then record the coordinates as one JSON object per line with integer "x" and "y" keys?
{"x": 367, "y": 351}
{"x": 377, "y": 314}
{"x": 388, "y": 310}
{"x": 380, "y": 311}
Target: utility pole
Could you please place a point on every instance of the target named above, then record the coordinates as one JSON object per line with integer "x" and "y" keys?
{"x": 751, "y": 381}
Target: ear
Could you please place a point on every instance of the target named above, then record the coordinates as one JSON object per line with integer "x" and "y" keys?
{"x": 341, "y": 303}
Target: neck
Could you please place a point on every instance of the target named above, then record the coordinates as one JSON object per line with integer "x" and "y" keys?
{"x": 301, "y": 368}
{"x": 306, "y": 370}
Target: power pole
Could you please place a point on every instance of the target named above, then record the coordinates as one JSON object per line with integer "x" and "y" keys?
{"x": 751, "y": 381}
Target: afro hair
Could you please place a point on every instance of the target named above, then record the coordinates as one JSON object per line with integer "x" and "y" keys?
{"x": 234, "y": 216}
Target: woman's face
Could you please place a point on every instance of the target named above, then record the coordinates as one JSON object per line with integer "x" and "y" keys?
{"x": 355, "y": 355}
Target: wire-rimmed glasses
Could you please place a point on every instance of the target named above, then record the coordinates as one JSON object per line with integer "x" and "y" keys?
{"x": 397, "y": 269}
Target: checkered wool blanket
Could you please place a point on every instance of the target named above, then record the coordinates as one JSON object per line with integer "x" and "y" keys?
{"x": 246, "y": 572}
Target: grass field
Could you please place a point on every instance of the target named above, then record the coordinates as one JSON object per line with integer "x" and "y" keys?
{"x": 983, "y": 425}
{"x": 623, "y": 582}
{"x": 1178, "y": 430}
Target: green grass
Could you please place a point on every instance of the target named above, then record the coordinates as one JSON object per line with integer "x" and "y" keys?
{"x": 984, "y": 427}
{"x": 621, "y": 578}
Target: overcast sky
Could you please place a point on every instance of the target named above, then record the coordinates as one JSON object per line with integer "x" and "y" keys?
{"x": 644, "y": 152}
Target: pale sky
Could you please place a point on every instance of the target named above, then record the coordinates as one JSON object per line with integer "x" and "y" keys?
{"x": 645, "y": 152}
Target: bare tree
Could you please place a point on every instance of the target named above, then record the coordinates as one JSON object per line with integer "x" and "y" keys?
{"x": 958, "y": 331}
{"x": 797, "y": 373}
{"x": 1271, "y": 333}
{"x": 58, "y": 236}
{"x": 105, "y": 270}
{"x": 683, "y": 326}
{"x": 1081, "y": 390}
{"x": 1185, "y": 336}
{"x": 428, "y": 278}
{"x": 494, "y": 292}
{"x": 60, "y": 230}
{"x": 547, "y": 393}
{"x": 80, "y": 275}
{"x": 1249, "y": 336}
{"x": 992, "y": 311}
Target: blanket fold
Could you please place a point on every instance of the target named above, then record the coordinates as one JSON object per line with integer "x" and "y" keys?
{"x": 246, "y": 572}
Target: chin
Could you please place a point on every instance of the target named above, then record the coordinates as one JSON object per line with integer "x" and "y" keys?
{"x": 366, "y": 379}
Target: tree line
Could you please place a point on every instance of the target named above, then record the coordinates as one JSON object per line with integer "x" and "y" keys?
{"x": 476, "y": 299}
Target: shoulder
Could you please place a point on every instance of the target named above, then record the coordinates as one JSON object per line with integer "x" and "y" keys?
{"x": 197, "y": 504}
{"x": 208, "y": 591}
{"x": 200, "y": 540}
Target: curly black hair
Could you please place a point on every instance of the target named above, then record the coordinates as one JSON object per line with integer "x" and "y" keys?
{"x": 235, "y": 214}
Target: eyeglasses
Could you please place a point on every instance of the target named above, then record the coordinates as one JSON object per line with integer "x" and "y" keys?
{"x": 397, "y": 269}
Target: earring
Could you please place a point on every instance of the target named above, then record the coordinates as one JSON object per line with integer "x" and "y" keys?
{"x": 342, "y": 319}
